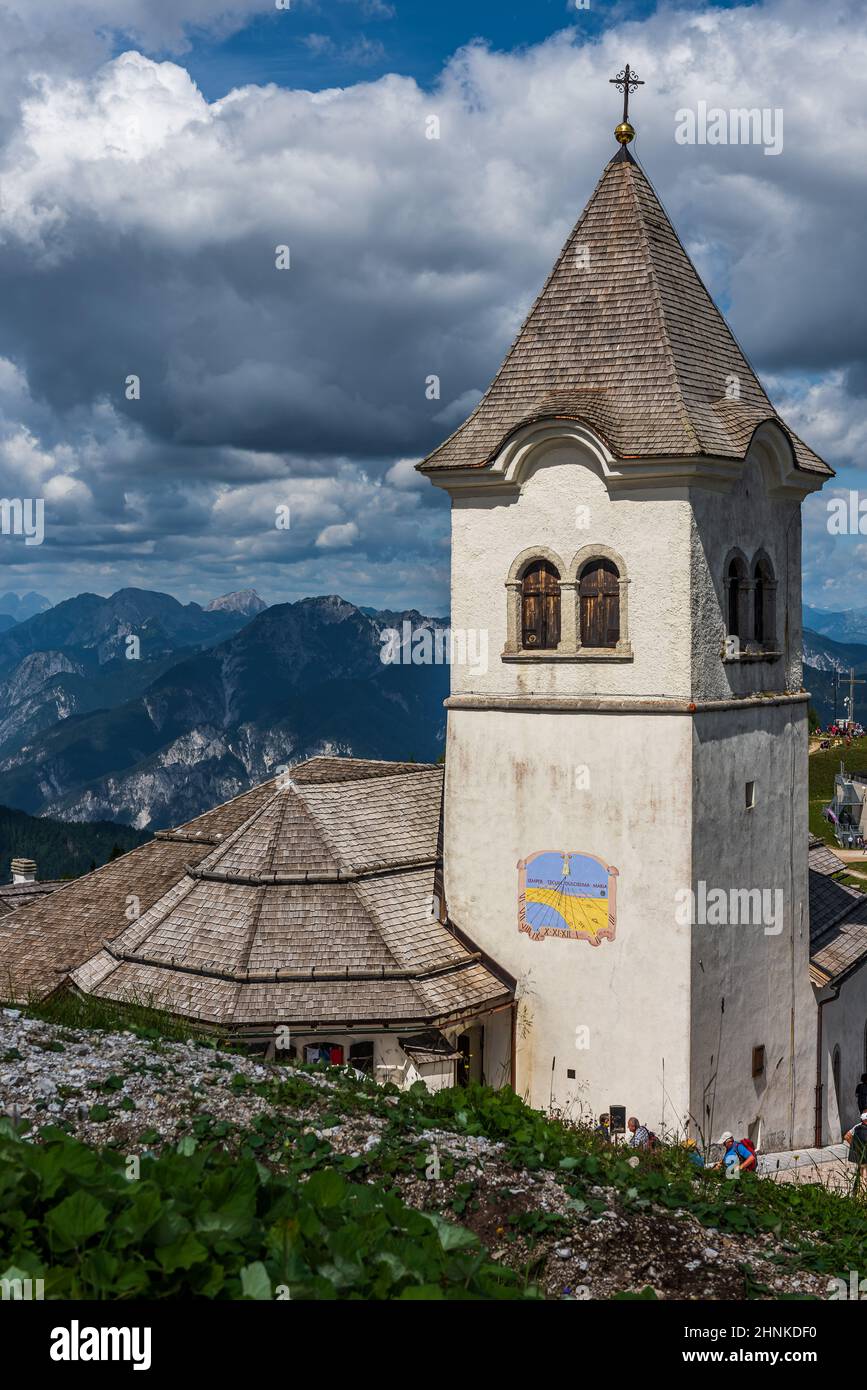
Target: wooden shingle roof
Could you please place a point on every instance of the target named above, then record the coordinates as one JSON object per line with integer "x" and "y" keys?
{"x": 306, "y": 902}
{"x": 624, "y": 337}
{"x": 41, "y": 942}
{"x": 838, "y": 921}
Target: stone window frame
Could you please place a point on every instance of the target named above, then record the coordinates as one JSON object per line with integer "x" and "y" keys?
{"x": 748, "y": 649}
{"x": 569, "y": 647}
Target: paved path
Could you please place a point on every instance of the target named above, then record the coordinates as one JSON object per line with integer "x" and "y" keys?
{"x": 828, "y": 1166}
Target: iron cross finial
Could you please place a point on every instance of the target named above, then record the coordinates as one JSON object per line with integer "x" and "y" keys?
{"x": 626, "y": 81}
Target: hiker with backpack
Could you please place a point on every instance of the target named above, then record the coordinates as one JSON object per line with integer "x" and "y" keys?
{"x": 856, "y": 1138}
{"x": 738, "y": 1154}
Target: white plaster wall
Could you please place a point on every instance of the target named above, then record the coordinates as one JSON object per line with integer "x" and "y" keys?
{"x": 843, "y": 1024}
{"x": 747, "y": 519}
{"x": 651, "y": 533}
{"x": 760, "y": 977}
{"x": 511, "y": 789}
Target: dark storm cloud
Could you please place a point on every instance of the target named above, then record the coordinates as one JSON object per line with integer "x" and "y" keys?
{"x": 139, "y": 232}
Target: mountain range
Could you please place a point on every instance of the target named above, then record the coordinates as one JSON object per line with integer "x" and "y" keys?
{"x": 847, "y": 626}
{"x": 825, "y": 658}
{"x": 213, "y": 702}
{"x": 139, "y": 709}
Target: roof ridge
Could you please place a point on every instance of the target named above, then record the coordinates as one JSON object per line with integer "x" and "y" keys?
{"x": 657, "y": 295}
{"x": 230, "y": 801}
{"x": 327, "y": 841}
{"x": 231, "y": 840}
{"x": 708, "y": 296}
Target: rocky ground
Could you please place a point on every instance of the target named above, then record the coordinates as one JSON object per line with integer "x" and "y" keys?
{"x": 121, "y": 1090}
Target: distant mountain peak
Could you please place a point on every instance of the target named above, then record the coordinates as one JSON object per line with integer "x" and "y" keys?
{"x": 329, "y": 606}
{"x": 245, "y": 601}
{"x": 21, "y": 606}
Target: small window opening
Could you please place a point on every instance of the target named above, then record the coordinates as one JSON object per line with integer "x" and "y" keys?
{"x": 361, "y": 1057}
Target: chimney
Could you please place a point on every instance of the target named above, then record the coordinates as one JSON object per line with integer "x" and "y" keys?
{"x": 23, "y": 870}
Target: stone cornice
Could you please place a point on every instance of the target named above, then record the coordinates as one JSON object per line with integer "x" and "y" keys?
{"x": 608, "y": 704}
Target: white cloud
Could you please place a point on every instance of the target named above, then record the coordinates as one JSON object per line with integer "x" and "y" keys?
{"x": 405, "y": 476}
{"x": 337, "y": 537}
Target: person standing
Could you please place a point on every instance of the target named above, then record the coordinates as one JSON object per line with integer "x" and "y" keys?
{"x": 861, "y": 1093}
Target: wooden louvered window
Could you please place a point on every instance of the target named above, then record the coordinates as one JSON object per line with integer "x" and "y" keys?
{"x": 540, "y": 606}
{"x": 599, "y": 595}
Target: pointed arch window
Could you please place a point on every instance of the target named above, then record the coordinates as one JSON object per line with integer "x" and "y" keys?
{"x": 599, "y": 597}
{"x": 540, "y": 606}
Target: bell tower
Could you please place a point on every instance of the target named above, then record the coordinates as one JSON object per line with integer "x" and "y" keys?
{"x": 625, "y": 824}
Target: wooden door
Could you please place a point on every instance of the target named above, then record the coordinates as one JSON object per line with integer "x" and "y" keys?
{"x": 599, "y": 593}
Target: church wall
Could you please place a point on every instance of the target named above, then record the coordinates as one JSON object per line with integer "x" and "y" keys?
{"x": 747, "y": 520}
{"x": 616, "y": 786}
{"x": 750, "y": 970}
{"x": 652, "y": 535}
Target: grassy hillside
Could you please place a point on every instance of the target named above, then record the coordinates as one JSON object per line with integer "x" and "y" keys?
{"x": 273, "y": 1182}
{"x": 824, "y": 764}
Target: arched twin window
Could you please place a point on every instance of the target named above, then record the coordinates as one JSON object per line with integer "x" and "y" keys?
{"x": 750, "y": 601}
{"x": 594, "y": 620}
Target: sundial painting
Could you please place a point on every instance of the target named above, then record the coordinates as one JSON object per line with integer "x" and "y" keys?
{"x": 567, "y": 894}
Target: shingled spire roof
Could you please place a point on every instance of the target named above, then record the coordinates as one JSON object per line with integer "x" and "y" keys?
{"x": 624, "y": 337}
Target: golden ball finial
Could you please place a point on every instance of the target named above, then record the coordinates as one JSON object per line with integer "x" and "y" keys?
{"x": 624, "y": 133}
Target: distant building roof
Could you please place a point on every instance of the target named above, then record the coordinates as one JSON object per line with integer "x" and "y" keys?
{"x": 625, "y": 337}
{"x": 822, "y": 859}
{"x": 838, "y": 919}
{"x": 15, "y": 895}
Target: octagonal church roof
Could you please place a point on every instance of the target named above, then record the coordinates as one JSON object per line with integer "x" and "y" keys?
{"x": 306, "y": 901}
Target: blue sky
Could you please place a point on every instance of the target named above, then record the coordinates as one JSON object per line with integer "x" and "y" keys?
{"x": 149, "y": 170}
{"x": 323, "y": 43}
{"x": 362, "y": 41}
